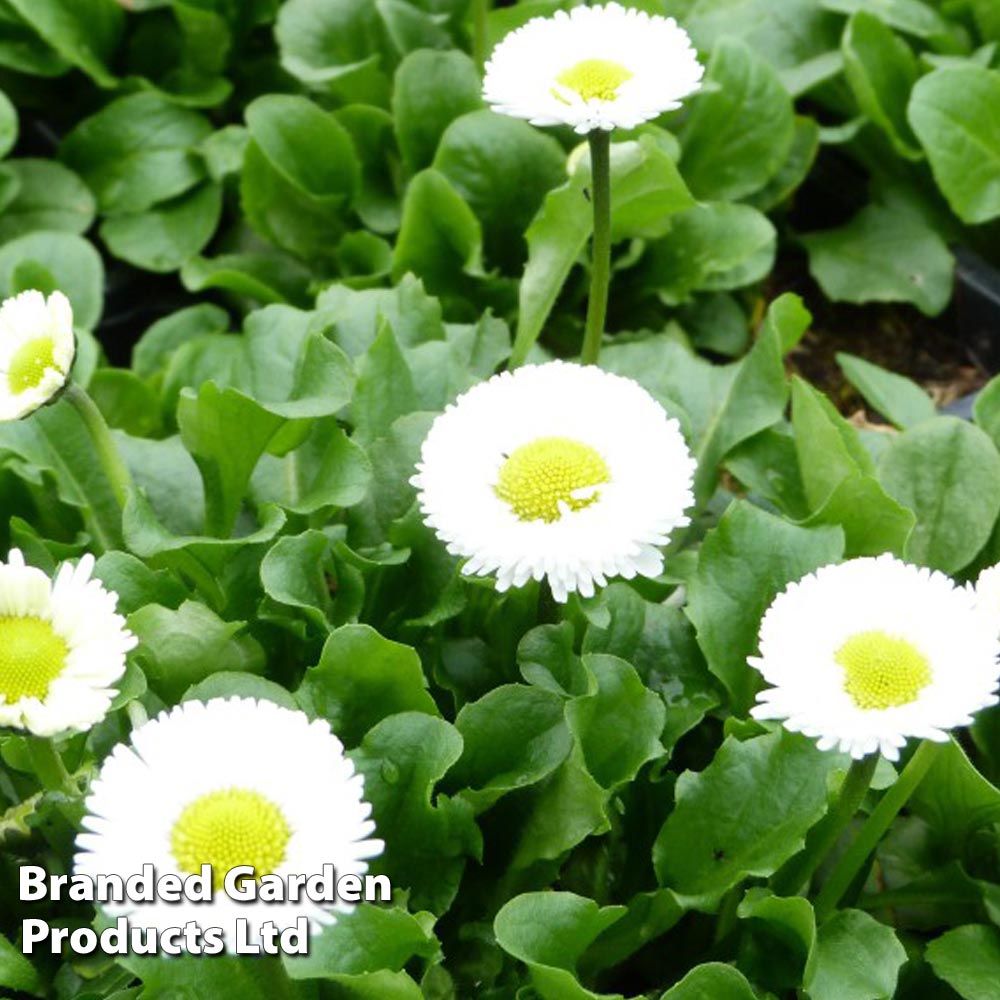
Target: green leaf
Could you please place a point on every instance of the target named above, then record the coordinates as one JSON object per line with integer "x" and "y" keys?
{"x": 715, "y": 246}
{"x": 968, "y": 960}
{"x": 293, "y": 574}
{"x": 229, "y": 684}
{"x": 300, "y": 174}
{"x": 373, "y": 410}
{"x": 55, "y": 442}
{"x": 327, "y": 470}
{"x": 740, "y": 131}
{"x": 619, "y": 724}
{"x": 839, "y": 482}
{"x": 712, "y": 981}
{"x": 17, "y": 973}
{"x": 646, "y": 190}
{"x": 886, "y": 253}
{"x": 322, "y": 42}
{"x": 856, "y": 958}
{"x": 514, "y": 736}
{"x": 797, "y": 166}
{"x": 503, "y": 168}
{"x": 169, "y": 978}
{"x": 402, "y": 760}
{"x": 792, "y": 43}
{"x": 744, "y": 815}
{"x": 912, "y": 16}
{"x": 8, "y": 125}
{"x": 226, "y": 464}
{"x": 137, "y": 151}
{"x": 156, "y": 345}
{"x": 163, "y": 238}
{"x": 430, "y": 91}
{"x": 265, "y": 278}
{"x": 377, "y": 199}
{"x": 49, "y": 196}
{"x": 899, "y": 400}
{"x": 361, "y": 679}
{"x": 549, "y": 932}
{"x": 881, "y": 69}
{"x": 948, "y": 472}
{"x": 74, "y": 264}
{"x": 560, "y": 813}
{"x": 745, "y": 561}
{"x": 951, "y": 111}
{"x": 84, "y": 32}
{"x": 180, "y": 648}
{"x": 440, "y": 239}
{"x": 754, "y": 400}
{"x": 954, "y": 799}
{"x": 368, "y": 939}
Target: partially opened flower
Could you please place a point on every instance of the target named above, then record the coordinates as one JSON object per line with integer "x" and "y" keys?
{"x": 869, "y": 653}
{"x": 227, "y": 783}
{"x": 62, "y": 647}
{"x": 37, "y": 347}
{"x": 592, "y": 68}
{"x": 558, "y": 471}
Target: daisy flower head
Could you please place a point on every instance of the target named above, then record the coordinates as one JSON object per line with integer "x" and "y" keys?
{"x": 37, "y": 347}
{"x": 62, "y": 647}
{"x": 226, "y": 783}
{"x": 559, "y": 471}
{"x": 866, "y": 654}
{"x": 600, "y": 67}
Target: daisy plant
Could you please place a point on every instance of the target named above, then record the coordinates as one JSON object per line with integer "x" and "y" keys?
{"x": 37, "y": 351}
{"x": 545, "y": 472}
{"x": 226, "y": 783}
{"x": 863, "y": 656}
{"x": 595, "y": 69}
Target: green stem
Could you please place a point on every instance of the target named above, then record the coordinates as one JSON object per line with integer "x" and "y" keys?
{"x": 49, "y": 767}
{"x": 600, "y": 270}
{"x": 480, "y": 34}
{"x": 847, "y": 868}
{"x": 118, "y": 476}
{"x": 797, "y": 873}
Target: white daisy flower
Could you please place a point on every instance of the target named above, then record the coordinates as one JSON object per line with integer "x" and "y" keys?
{"x": 592, "y": 68}
{"x": 62, "y": 647}
{"x": 871, "y": 652}
{"x": 557, "y": 470}
{"x": 37, "y": 347}
{"x": 227, "y": 783}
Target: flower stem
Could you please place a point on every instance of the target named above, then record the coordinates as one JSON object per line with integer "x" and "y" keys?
{"x": 797, "y": 873}
{"x": 847, "y": 868}
{"x": 49, "y": 767}
{"x": 600, "y": 270}
{"x": 118, "y": 476}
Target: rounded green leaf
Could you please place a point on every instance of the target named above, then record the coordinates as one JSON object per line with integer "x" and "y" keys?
{"x": 431, "y": 90}
{"x": 74, "y": 265}
{"x": 49, "y": 196}
{"x": 947, "y": 472}
{"x": 953, "y": 112}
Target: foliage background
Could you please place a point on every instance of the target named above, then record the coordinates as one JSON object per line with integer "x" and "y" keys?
{"x": 291, "y": 234}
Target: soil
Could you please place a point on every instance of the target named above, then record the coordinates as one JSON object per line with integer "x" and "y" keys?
{"x": 930, "y": 351}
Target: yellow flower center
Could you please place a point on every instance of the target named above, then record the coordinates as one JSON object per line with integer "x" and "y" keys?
{"x": 229, "y": 828}
{"x": 882, "y": 671}
{"x": 29, "y": 364}
{"x": 547, "y": 472}
{"x": 595, "y": 79}
{"x": 32, "y": 656}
